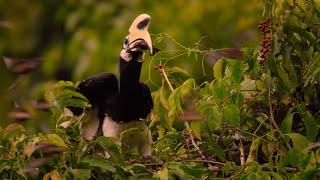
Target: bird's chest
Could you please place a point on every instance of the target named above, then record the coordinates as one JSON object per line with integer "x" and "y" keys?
{"x": 125, "y": 108}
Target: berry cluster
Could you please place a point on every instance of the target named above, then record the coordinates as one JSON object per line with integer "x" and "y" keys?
{"x": 187, "y": 141}
{"x": 265, "y": 44}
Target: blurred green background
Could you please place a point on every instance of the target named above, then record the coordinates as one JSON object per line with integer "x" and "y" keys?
{"x": 78, "y": 38}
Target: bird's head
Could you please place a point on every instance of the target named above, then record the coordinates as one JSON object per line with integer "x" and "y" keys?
{"x": 138, "y": 40}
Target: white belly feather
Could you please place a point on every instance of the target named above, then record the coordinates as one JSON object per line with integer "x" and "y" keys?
{"x": 142, "y": 139}
{"x": 111, "y": 128}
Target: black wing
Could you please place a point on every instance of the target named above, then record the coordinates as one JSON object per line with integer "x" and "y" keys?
{"x": 99, "y": 90}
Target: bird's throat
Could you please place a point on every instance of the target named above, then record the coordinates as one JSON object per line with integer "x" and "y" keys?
{"x": 129, "y": 75}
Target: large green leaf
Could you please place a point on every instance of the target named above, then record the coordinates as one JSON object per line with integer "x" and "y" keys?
{"x": 231, "y": 114}
{"x": 218, "y": 69}
{"x": 163, "y": 96}
{"x": 177, "y": 98}
{"x": 162, "y": 174}
{"x": 220, "y": 89}
{"x": 64, "y": 94}
{"x": 57, "y": 140}
{"x": 68, "y": 93}
{"x": 80, "y": 174}
{"x": 100, "y": 162}
{"x": 187, "y": 171}
{"x": 177, "y": 74}
{"x": 253, "y": 153}
{"x": 196, "y": 127}
{"x": 64, "y": 85}
{"x": 111, "y": 146}
{"x": 236, "y": 69}
{"x": 286, "y": 124}
{"x": 300, "y": 142}
{"x": 283, "y": 75}
{"x": 311, "y": 126}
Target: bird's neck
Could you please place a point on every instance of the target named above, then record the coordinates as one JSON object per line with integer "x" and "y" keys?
{"x": 130, "y": 74}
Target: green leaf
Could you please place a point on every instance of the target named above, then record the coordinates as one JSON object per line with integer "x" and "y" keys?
{"x": 162, "y": 174}
{"x": 213, "y": 115}
{"x": 218, "y": 69}
{"x": 4, "y": 165}
{"x": 110, "y": 145}
{"x": 187, "y": 88}
{"x": 311, "y": 126}
{"x": 236, "y": 69}
{"x": 69, "y": 93}
{"x": 276, "y": 176}
{"x": 100, "y": 162}
{"x": 293, "y": 157}
{"x": 187, "y": 171}
{"x": 175, "y": 105}
{"x": 176, "y": 99}
{"x": 286, "y": 83}
{"x": 220, "y": 89}
{"x": 286, "y": 124}
{"x": 308, "y": 174}
{"x": 74, "y": 102}
{"x": 300, "y": 142}
{"x": 170, "y": 143}
{"x": 253, "y": 153}
{"x": 80, "y": 173}
{"x": 64, "y": 84}
{"x": 163, "y": 95}
{"x": 64, "y": 94}
{"x": 137, "y": 168}
{"x": 56, "y": 140}
{"x": 196, "y": 128}
{"x": 179, "y": 70}
{"x": 178, "y": 75}
{"x": 231, "y": 114}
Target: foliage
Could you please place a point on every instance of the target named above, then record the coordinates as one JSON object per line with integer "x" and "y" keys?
{"x": 256, "y": 116}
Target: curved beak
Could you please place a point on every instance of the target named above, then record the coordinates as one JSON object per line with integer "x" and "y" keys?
{"x": 139, "y": 37}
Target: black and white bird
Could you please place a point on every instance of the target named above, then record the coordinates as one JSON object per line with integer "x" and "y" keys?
{"x": 121, "y": 105}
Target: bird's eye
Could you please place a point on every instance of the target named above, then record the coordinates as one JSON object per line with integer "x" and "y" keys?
{"x": 126, "y": 41}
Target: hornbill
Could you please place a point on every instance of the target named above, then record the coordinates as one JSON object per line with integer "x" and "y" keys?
{"x": 118, "y": 107}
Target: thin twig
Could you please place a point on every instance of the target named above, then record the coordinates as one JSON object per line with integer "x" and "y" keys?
{"x": 272, "y": 120}
{"x": 206, "y": 161}
{"x": 256, "y": 136}
{"x": 258, "y": 128}
{"x": 241, "y": 149}
{"x": 15, "y": 82}
{"x": 194, "y": 144}
{"x": 166, "y": 78}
